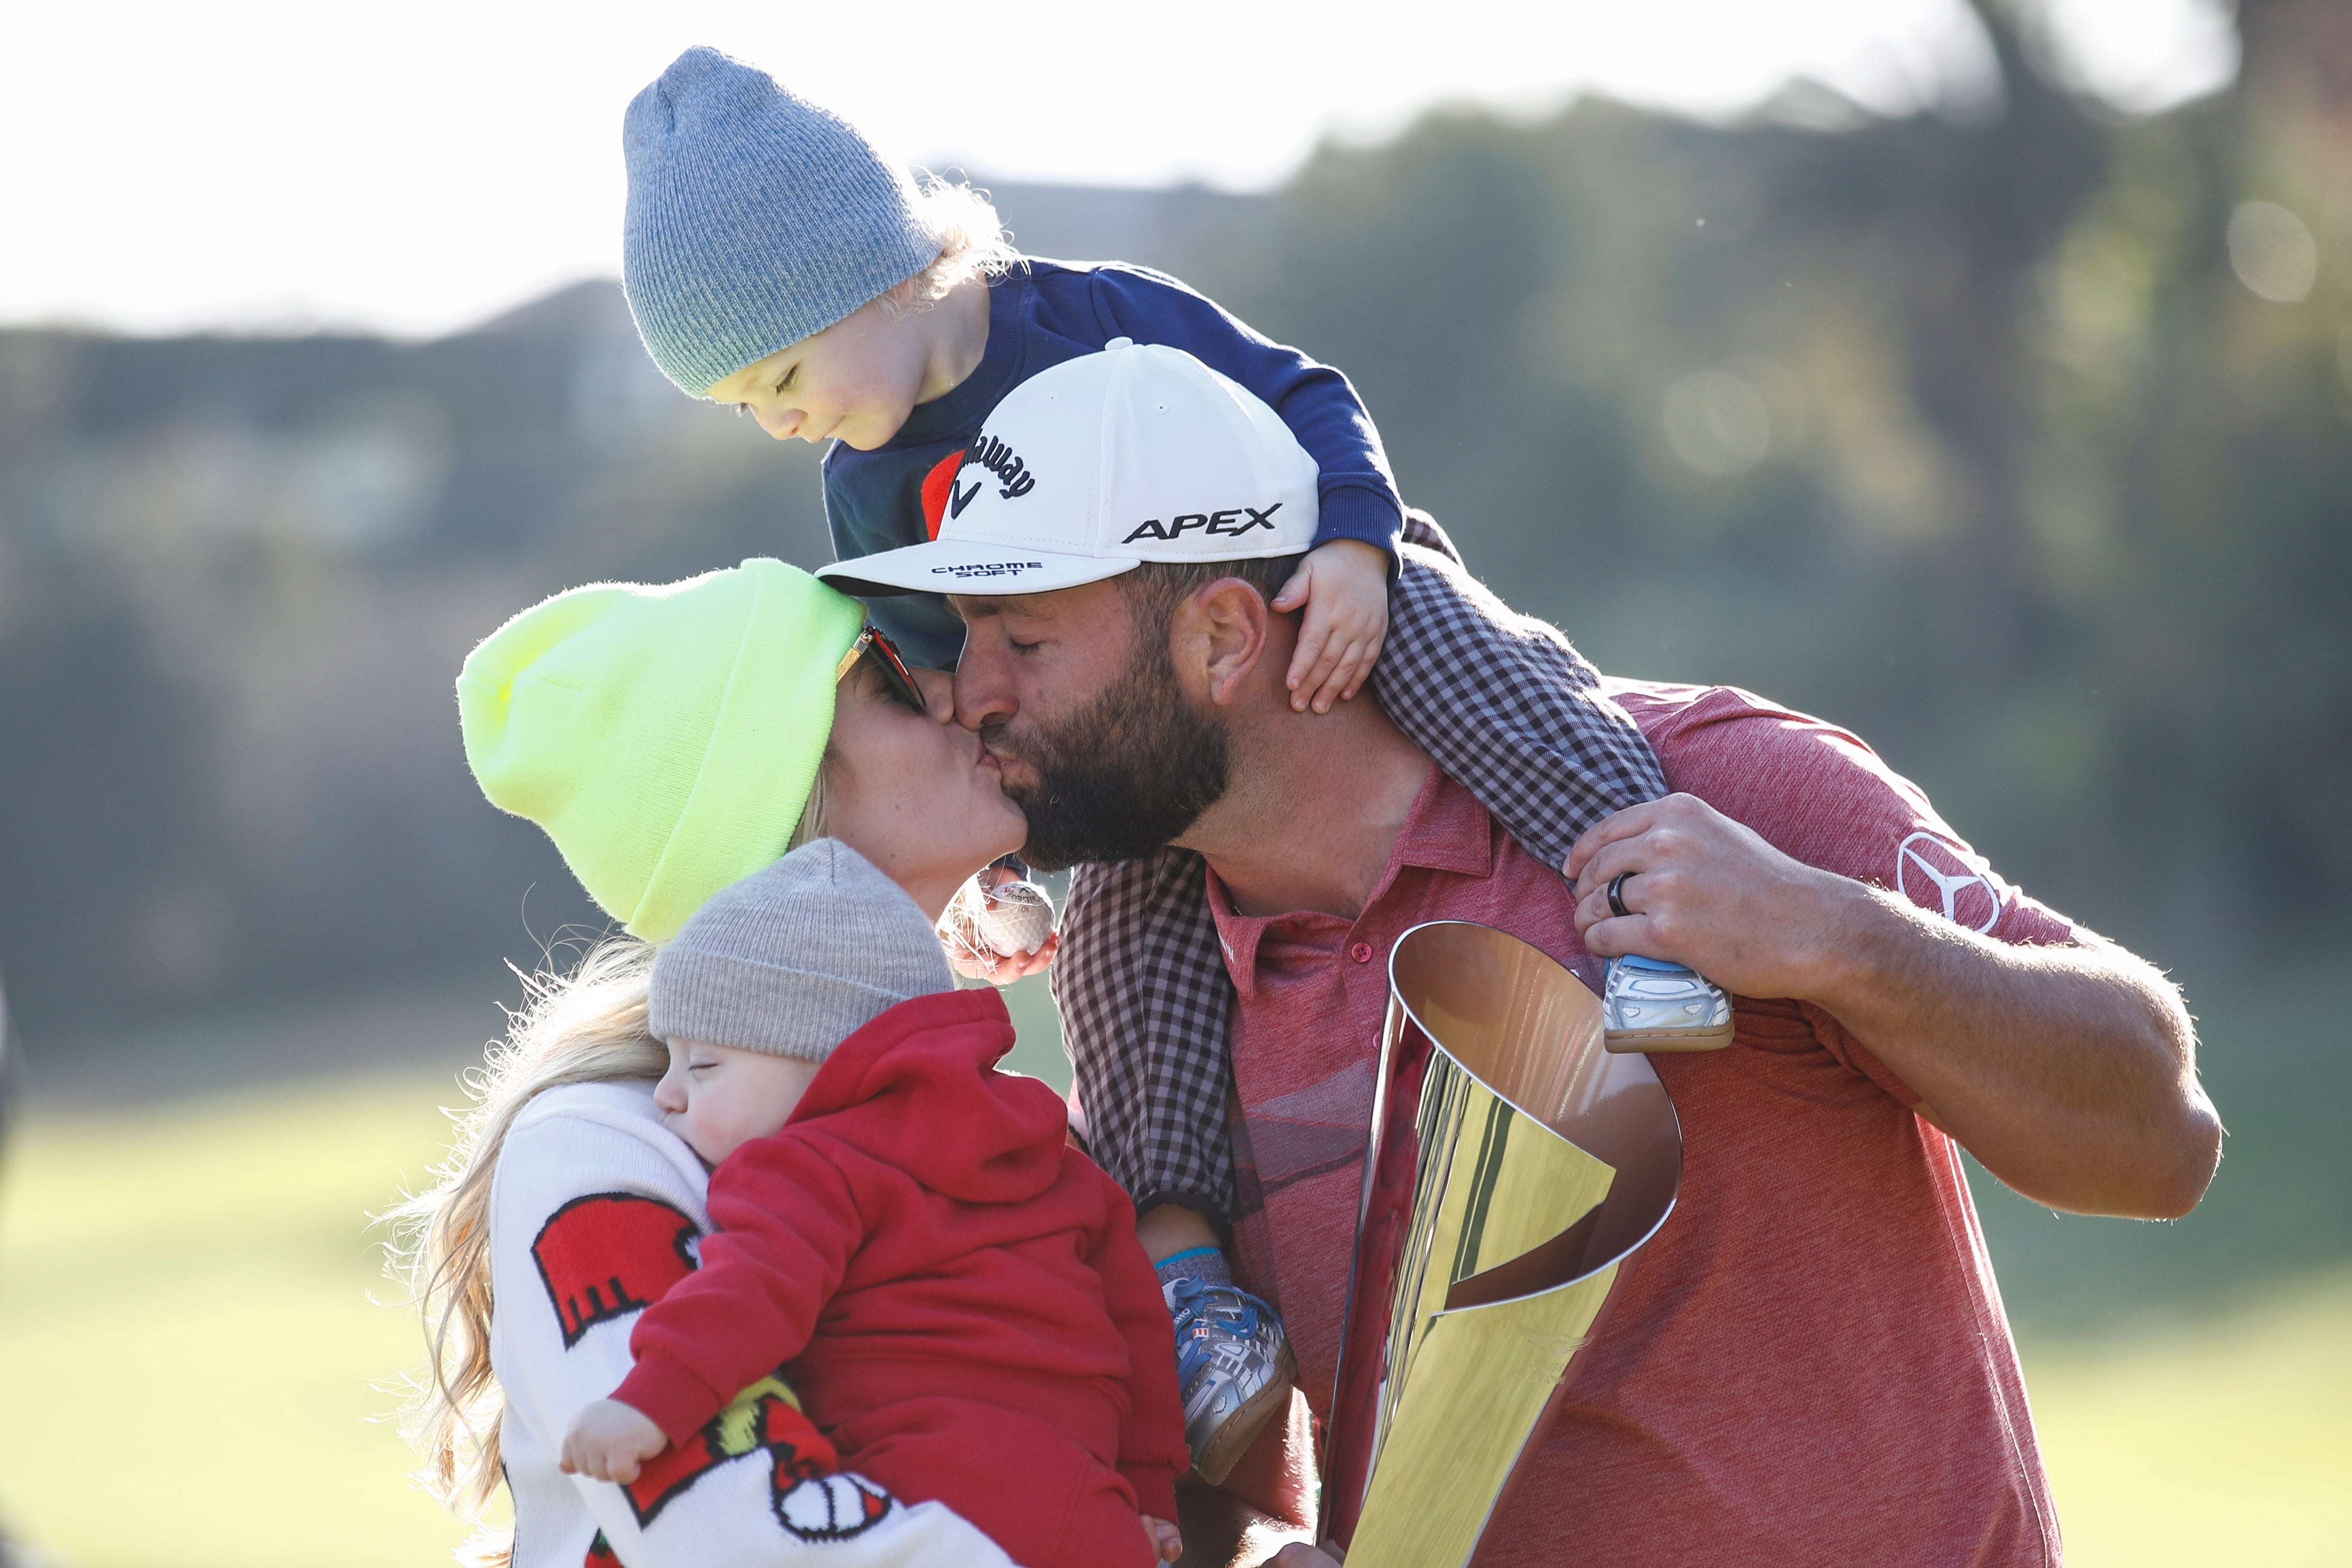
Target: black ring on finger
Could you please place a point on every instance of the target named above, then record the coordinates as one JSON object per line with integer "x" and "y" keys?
{"x": 1617, "y": 893}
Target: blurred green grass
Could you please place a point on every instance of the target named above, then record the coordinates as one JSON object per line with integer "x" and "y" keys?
{"x": 2221, "y": 1439}
{"x": 187, "y": 1340}
{"x": 2275, "y": 1053}
{"x": 194, "y": 1332}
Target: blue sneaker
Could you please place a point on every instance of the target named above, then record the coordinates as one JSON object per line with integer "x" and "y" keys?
{"x": 1234, "y": 1368}
{"x": 1652, "y": 1005}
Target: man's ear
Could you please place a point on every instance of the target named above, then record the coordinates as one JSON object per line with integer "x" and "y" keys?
{"x": 1217, "y": 637}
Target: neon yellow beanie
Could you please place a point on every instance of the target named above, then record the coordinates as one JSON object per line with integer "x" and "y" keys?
{"x": 666, "y": 737}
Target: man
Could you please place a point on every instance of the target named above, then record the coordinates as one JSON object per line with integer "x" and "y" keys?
{"x": 1808, "y": 1362}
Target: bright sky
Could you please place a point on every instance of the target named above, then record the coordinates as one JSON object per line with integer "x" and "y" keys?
{"x": 416, "y": 167}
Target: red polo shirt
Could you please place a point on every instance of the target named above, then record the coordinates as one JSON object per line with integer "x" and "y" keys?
{"x": 1809, "y": 1364}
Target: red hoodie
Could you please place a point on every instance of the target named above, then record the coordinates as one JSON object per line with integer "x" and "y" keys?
{"x": 960, "y": 1294}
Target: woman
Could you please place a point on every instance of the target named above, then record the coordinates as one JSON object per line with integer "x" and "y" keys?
{"x": 566, "y": 1206}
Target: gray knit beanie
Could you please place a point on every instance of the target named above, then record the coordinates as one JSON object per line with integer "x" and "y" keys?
{"x": 755, "y": 218}
{"x": 794, "y": 959}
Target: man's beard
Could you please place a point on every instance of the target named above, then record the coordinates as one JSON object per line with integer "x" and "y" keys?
{"x": 1123, "y": 778}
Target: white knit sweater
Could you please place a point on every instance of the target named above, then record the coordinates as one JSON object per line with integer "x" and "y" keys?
{"x": 594, "y": 1209}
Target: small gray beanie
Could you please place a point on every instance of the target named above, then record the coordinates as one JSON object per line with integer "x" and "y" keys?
{"x": 755, "y": 218}
{"x": 794, "y": 959}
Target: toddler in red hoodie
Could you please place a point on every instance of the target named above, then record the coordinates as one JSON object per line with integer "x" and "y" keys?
{"x": 957, "y": 1292}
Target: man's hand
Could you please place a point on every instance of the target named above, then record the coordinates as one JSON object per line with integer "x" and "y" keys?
{"x": 1344, "y": 587}
{"x": 609, "y": 1441}
{"x": 1167, "y": 1540}
{"x": 2070, "y": 1073}
{"x": 1710, "y": 893}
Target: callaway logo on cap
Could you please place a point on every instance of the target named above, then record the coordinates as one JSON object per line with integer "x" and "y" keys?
{"x": 1139, "y": 453}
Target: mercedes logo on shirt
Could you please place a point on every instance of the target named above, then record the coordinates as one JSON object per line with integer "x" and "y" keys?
{"x": 1935, "y": 874}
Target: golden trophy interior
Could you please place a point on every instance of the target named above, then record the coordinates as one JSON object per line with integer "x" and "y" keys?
{"x": 1544, "y": 1161}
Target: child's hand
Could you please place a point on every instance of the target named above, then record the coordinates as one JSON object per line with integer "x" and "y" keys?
{"x": 609, "y": 1441}
{"x": 1165, "y": 1540}
{"x": 1344, "y": 587}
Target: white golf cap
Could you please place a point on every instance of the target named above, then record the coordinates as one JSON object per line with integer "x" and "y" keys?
{"x": 1139, "y": 453}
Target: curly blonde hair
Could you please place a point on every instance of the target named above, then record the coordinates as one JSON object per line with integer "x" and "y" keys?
{"x": 973, "y": 243}
{"x": 587, "y": 1027}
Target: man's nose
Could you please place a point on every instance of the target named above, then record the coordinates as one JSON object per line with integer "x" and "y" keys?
{"x": 783, "y": 424}
{"x": 983, "y": 692}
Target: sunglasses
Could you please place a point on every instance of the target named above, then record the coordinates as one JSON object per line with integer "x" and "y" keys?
{"x": 896, "y": 679}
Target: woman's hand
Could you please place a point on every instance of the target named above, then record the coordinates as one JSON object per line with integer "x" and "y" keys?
{"x": 609, "y": 1441}
{"x": 968, "y": 952}
{"x": 1166, "y": 1539}
{"x": 1000, "y": 971}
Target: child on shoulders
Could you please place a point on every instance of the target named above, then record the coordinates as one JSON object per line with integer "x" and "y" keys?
{"x": 774, "y": 260}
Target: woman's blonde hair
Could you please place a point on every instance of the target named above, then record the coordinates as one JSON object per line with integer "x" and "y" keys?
{"x": 584, "y": 1027}
{"x": 973, "y": 243}
{"x": 587, "y": 1027}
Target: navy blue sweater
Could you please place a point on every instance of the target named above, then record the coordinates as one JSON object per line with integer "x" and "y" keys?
{"x": 1040, "y": 314}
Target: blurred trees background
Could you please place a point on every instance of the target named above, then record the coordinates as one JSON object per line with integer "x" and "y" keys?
{"x": 2020, "y": 444}
{"x": 2017, "y": 438}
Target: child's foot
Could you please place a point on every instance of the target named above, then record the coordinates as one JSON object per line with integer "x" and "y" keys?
{"x": 1234, "y": 1368}
{"x": 1652, "y": 1005}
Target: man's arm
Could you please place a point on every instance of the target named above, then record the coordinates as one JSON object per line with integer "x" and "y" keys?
{"x": 2070, "y": 1071}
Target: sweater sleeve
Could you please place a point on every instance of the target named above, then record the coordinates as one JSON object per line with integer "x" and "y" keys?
{"x": 787, "y": 1224}
{"x": 1152, "y": 1452}
{"x": 1358, "y": 495}
{"x": 594, "y": 1209}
